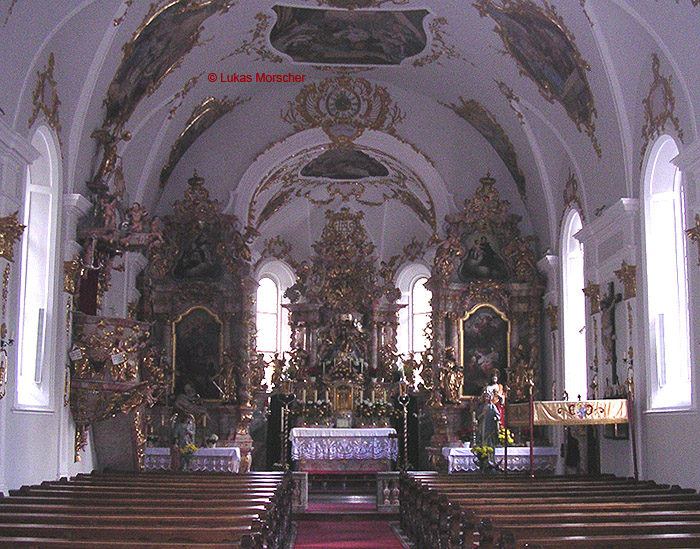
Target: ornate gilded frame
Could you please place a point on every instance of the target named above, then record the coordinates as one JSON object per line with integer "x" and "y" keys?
{"x": 503, "y": 367}
{"x": 174, "y": 325}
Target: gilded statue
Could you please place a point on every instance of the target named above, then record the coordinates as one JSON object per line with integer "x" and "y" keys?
{"x": 452, "y": 378}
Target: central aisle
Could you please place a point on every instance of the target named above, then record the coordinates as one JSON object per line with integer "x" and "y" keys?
{"x": 339, "y": 520}
{"x": 348, "y": 534}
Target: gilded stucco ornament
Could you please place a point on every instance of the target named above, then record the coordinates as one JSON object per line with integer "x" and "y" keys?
{"x": 201, "y": 119}
{"x": 256, "y": 44}
{"x": 694, "y": 234}
{"x": 287, "y": 182}
{"x": 659, "y": 106}
{"x": 359, "y": 4}
{"x": 545, "y": 51}
{"x": 45, "y": 98}
{"x": 10, "y": 232}
{"x": 627, "y": 275}
{"x": 72, "y": 272}
{"x": 343, "y": 107}
{"x": 486, "y": 124}
{"x": 439, "y": 46}
{"x": 571, "y": 197}
{"x": 513, "y": 99}
{"x": 592, "y": 292}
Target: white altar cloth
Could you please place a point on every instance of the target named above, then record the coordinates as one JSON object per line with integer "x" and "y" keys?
{"x": 222, "y": 460}
{"x": 462, "y": 459}
{"x": 316, "y": 443}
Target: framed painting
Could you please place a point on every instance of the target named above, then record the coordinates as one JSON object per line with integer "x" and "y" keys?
{"x": 483, "y": 260}
{"x": 197, "y": 351}
{"x": 484, "y": 347}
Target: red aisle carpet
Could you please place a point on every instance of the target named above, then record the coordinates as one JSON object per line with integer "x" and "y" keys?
{"x": 345, "y": 535}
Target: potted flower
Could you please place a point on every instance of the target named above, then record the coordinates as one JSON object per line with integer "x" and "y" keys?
{"x": 482, "y": 455}
{"x": 186, "y": 454}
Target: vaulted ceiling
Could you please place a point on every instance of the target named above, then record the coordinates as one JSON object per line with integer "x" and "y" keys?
{"x": 395, "y": 107}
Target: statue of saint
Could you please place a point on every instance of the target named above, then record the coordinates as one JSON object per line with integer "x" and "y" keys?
{"x": 452, "y": 378}
{"x": 497, "y": 395}
{"x": 489, "y": 420}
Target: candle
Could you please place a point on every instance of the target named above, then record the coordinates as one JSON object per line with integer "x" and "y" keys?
{"x": 372, "y": 396}
{"x": 303, "y": 395}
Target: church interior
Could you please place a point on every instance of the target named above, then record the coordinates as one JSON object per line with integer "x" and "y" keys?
{"x": 438, "y": 258}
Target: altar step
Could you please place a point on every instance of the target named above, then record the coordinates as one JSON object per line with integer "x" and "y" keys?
{"x": 337, "y": 483}
{"x": 341, "y": 508}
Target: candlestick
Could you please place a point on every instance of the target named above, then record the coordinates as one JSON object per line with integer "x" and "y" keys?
{"x": 303, "y": 395}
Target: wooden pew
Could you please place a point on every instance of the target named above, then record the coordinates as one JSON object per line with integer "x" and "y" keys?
{"x": 151, "y": 509}
{"x": 446, "y": 511}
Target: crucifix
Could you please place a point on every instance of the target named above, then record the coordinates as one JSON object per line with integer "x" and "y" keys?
{"x": 609, "y": 337}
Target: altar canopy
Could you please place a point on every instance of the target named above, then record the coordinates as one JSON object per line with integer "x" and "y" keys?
{"x": 555, "y": 412}
{"x": 310, "y": 443}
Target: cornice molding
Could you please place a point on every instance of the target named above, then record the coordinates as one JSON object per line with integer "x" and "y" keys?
{"x": 689, "y": 159}
{"x": 16, "y": 146}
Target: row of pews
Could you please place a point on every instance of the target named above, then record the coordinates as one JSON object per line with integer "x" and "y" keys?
{"x": 463, "y": 511}
{"x": 164, "y": 509}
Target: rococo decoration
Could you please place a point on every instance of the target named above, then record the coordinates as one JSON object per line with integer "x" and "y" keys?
{"x": 659, "y": 106}
{"x": 45, "y": 98}
{"x": 694, "y": 234}
{"x": 343, "y": 107}
{"x": 627, "y": 275}
{"x": 545, "y": 51}
{"x": 485, "y": 123}
{"x": 10, "y": 232}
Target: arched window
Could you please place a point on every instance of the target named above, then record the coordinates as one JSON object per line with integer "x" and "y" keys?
{"x": 414, "y": 317}
{"x": 272, "y": 320}
{"x": 420, "y": 315}
{"x": 574, "y": 310}
{"x": 36, "y": 328}
{"x": 667, "y": 294}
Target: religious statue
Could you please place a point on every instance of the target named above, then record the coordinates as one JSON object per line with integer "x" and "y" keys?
{"x": 186, "y": 403}
{"x": 451, "y": 378}
{"x": 497, "y": 395}
{"x": 182, "y": 435}
{"x": 489, "y": 420}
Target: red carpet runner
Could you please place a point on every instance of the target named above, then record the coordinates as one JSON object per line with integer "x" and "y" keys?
{"x": 352, "y": 534}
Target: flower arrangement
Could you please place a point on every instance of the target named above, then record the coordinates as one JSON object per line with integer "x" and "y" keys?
{"x": 482, "y": 453}
{"x": 186, "y": 454}
{"x": 317, "y": 409}
{"x": 504, "y": 433}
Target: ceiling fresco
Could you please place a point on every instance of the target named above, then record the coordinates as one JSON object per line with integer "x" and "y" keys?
{"x": 156, "y": 49}
{"x": 313, "y": 35}
{"x": 549, "y": 85}
{"x": 202, "y": 118}
{"x": 485, "y": 123}
{"x": 345, "y": 163}
{"x": 286, "y": 183}
{"x": 545, "y": 52}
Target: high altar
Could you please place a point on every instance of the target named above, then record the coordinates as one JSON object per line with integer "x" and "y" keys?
{"x": 188, "y": 348}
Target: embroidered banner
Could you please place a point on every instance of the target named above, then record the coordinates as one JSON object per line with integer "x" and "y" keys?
{"x": 555, "y": 412}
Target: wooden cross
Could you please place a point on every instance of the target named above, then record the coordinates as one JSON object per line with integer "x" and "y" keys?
{"x": 607, "y": 307}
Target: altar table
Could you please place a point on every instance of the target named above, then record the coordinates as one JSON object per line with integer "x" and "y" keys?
{"x": 326, "y": 448}
{"x": 462, "y": 459}
{"x": 221, "y": 460}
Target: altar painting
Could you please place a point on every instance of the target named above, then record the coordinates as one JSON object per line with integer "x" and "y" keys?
{"x": 197, "y": 349}
{"x": 484, "y": 347}
{"x": 483, "y": 259}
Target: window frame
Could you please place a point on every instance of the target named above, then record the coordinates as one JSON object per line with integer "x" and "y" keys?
{"x": 658, "y": 171}
{"x": 35, "y": 391}
{"x": 575, "y": 358}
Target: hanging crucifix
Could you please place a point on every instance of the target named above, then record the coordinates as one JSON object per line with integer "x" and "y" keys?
{"x": 608, "y": 335}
